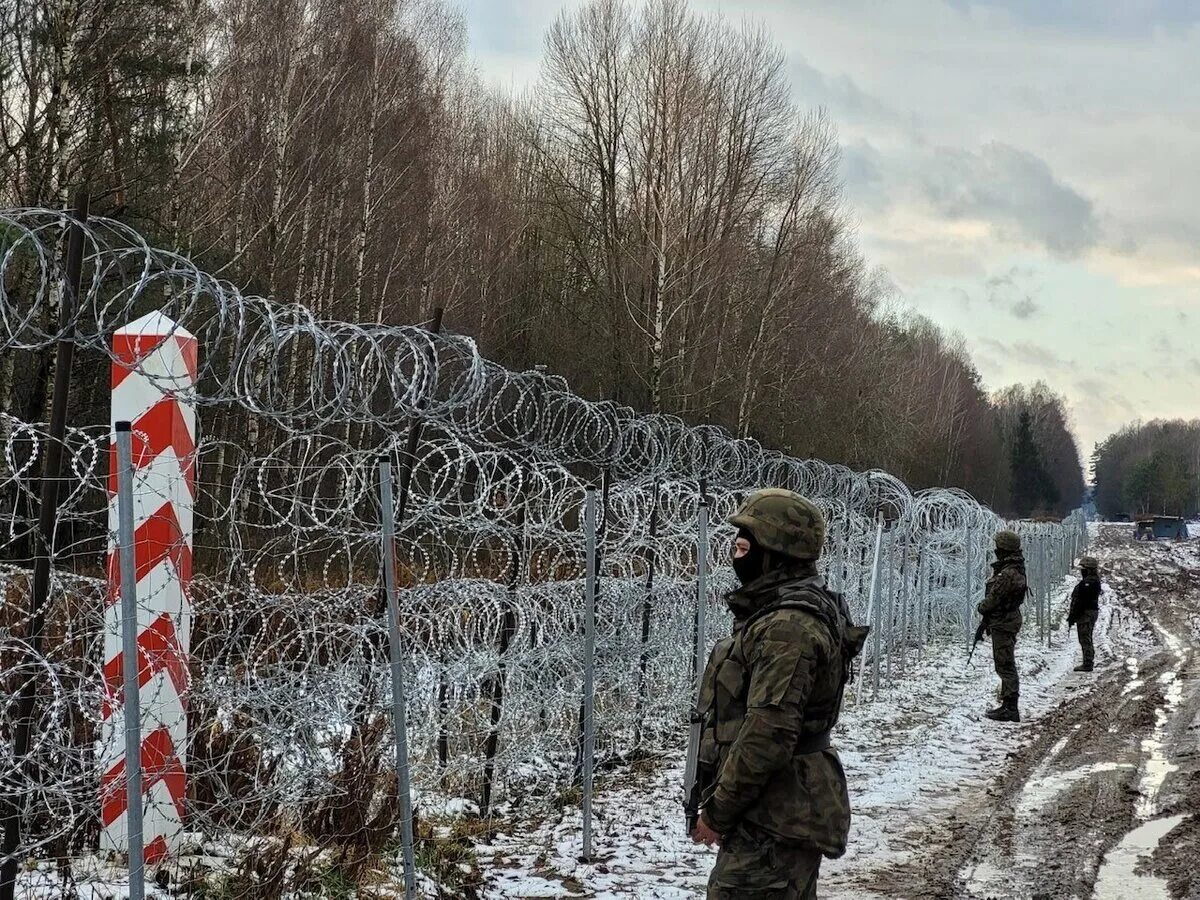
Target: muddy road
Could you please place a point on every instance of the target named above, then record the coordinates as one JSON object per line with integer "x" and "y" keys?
{"x": 1104, "y": 801}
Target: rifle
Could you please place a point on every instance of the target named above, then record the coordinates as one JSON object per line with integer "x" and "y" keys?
{"x": 979, "y": 633}
{"x": 692, "y": 788}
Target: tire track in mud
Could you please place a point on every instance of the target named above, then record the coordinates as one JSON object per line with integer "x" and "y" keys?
{"x": 1110, "y": 773}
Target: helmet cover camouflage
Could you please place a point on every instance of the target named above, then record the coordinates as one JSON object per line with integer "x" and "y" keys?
{"x": 784, "y": 522}
{"x": 1088, "y": 562}
{"x": 1007, "y": 540}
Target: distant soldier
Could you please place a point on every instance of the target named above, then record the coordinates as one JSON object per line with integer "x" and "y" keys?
{"x": 1001, "y": 611}
{"x": 1085, "y": 608}
{"x": 771, "y": 788}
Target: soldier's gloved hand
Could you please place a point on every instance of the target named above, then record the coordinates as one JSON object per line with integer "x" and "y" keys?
{"x": 702, "y": 834}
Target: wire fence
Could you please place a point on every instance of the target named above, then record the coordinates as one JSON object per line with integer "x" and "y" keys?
{"x": 292, "y": 784}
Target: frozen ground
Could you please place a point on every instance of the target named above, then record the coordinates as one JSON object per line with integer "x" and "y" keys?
{"x": 925, "y": 771}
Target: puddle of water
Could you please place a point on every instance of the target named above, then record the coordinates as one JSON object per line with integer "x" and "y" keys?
{"x": 1044, "y": 787}
{"x": 1118, "y": 880}
{"x": 1157, "y": 765}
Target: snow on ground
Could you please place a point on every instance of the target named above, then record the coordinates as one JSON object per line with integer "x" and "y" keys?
{"x": 909, "y": 754}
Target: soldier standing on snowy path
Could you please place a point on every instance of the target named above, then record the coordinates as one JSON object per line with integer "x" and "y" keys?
{"x": 773, "y": 791}
{"x": 1085, "y": 609}
{"x": 1001, "y": 611}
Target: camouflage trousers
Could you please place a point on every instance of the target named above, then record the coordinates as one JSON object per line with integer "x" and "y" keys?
{"x": 1084, "y": 627}
{"x": 1004, "y": 655}
{"x": 752, "y": 864}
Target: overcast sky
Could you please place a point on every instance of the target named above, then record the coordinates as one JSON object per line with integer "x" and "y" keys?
{"x": 1028, "y": 172}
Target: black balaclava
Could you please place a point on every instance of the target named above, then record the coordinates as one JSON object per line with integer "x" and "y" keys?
{"x": 754, "y": 564}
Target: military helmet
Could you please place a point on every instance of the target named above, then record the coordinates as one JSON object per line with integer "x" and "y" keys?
{"x": 784, "y": 522}
{"x": 1088, "y": 562}
{"x": 1008, "y": 540}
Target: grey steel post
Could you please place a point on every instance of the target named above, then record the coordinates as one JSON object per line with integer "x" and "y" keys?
{"x": 129, "y": 663}
{"x": 701, "y": 588}
{"x": 906, "y": 601}
{"x": 1040, "y": 597}
{"x": 922, "y": 599}
{"x": 589, "y": 667}
{"x": 399, "y": 714}
{"x": 871, "y": 590}
{"x": 1044, "y": 572}
{"x": 890, "y": 637}
{"x": 691, "y": 763}
{"x": 969, "y": 607}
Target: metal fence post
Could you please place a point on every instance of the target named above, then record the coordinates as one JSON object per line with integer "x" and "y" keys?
{"x": 131, "y": 693}
{"x": 968, "y": 607}
{"x": 922, "y": 600}
{"x": 701, "y": 587}
{"x": 871, "y": 590}
{"x": 647, "y": 609}
{"x": 1044, "y": 567}
{"x": 890, "y": 637}
{"x": 589, "y": 662}
{"x": 905, "y": 602}
{"x": 698, "y": 661}
{"x": 399, "y": 715}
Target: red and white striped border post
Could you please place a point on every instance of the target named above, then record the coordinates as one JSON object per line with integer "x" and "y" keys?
{"x": 154, "y": 361}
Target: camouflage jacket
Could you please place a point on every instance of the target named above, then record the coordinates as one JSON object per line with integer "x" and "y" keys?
{"x": 772, "y": 686}
{"x": 1006, "y": 590}
{"x": 1085, "y": 598}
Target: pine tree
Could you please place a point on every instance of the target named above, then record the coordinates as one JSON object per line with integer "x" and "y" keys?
{"x": 1033, "y": 490}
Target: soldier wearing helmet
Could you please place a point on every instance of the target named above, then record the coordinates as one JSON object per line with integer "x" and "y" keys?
{"x": 1001, "y": 611}
{"x": 773, "y": 793}
{"x": 1085, "y": 609}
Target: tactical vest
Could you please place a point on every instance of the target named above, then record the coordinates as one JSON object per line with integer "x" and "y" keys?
{"x": 725, "y": 692}
{"x": 1015, "y": 600}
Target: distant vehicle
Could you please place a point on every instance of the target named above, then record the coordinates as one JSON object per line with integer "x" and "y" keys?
{"x": 1161, "y": 528}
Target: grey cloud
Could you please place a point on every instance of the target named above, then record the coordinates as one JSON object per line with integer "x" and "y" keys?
{"x": 1016, "y": 192}
{"x": 1097, "y": 399}
{"x": 1030, "y": 354}
{"x": 1011, "y": 291}
{"x": 1090, "y": 17}
{"x": 842, "y": 96}
{"x": 1163, "y": 343}
{"x": 862, "y": 170}
{"x": 1024, "y": 308}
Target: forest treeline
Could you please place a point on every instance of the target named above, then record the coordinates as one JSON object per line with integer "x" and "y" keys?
{"x": 1151, "y": 468}
{"x": 659, "y": 219}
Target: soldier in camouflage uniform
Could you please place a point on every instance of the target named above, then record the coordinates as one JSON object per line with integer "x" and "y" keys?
{"x": 772, "y": 789}
{"x": 1085, "y": 608}
{"x": 1001, "y": 611}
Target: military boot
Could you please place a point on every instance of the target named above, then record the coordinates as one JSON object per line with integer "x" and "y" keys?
{"x": 1005, "y": 712}
{"x": 1084, "y": 667}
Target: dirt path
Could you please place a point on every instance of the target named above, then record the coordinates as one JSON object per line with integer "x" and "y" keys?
{"x": 1099, "y": 804}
